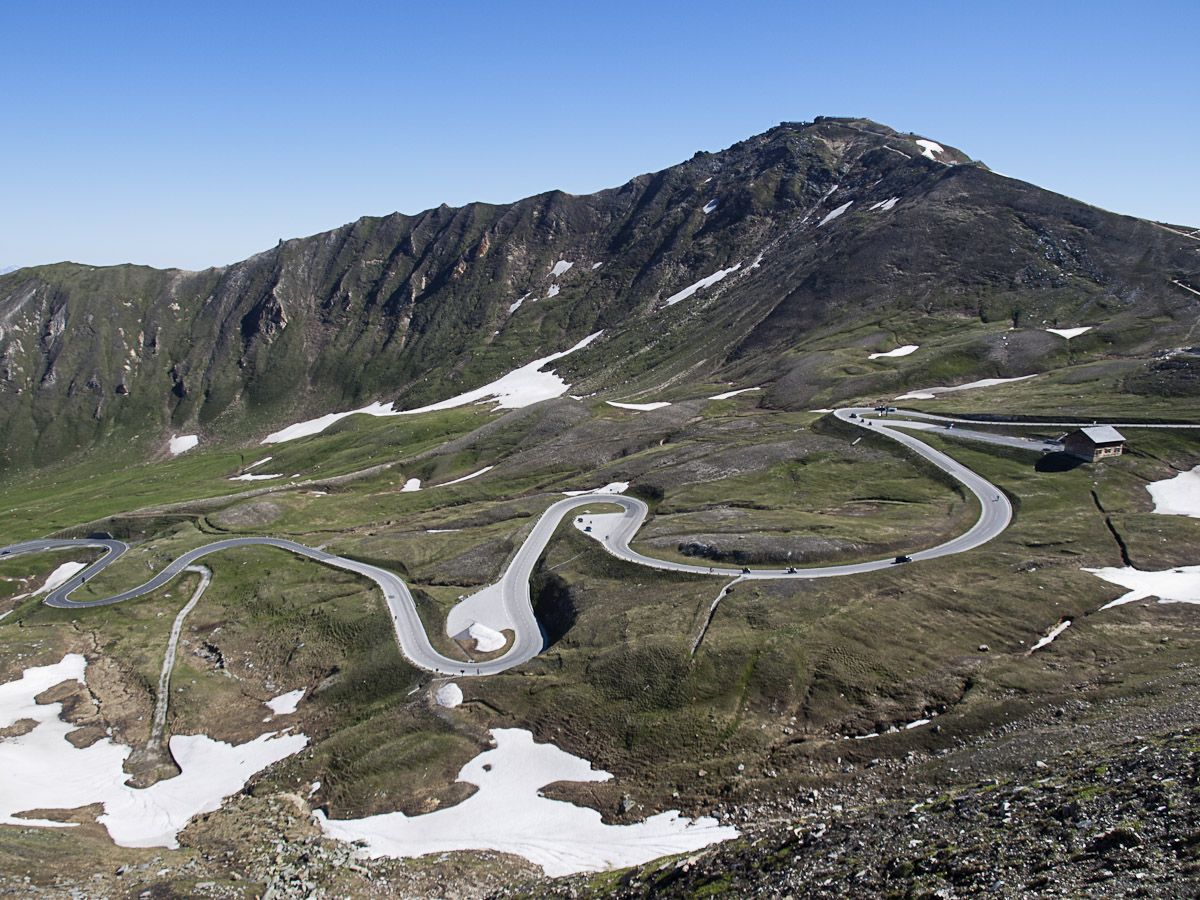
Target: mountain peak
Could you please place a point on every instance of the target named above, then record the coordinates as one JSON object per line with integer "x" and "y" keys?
{"x": 728, "y": 262}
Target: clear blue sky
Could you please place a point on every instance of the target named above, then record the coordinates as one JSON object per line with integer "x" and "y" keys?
{"x": 199, "y": 134}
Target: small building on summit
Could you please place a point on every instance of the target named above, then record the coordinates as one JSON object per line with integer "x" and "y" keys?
{"x": 1094, "y": 442}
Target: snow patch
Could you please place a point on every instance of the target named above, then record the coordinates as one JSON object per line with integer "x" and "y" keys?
{"x": 487, "y": 640}
{"x": 1180, "y": 585}
{"x": 515, "y": 306}
{"x": 560, "y": 268}
{"x": 183, "y": 443}
{"x": 449, "y": 695}
{"x": 702, "y": 283}
{"x": 640, "y": 407}
{"x": 757, "y": 261}
{"x": 1178, "y": 496}
{"x": 899, "y": 351}
{"x": 1051, "y": 634}
{"x": 508, "y": 814}
{"x": 468, "y": 477}
{"x": 613, "y": 487}
{"x": 711, "y": 206}
{"x": 595, "y": 266}
{"x": 553, "y": 292}
{"x": 1069, "y": 333}
{"x": 519, "y": 388}
{"x": 411, "y": 486}
{"x": 928, "y": 148}
{"x": 286, "y": 704}
{"x": 885, "y": 205}
{"x": 59, "y": 577}
{"x": 41, "y": 769}
{"x": 837, "y": 212}
{"x": 255, "y": 465}
{"x": 250, "y": 476}
{"x": 728, "y": 394}
{"x": 316, "y": 426}
{"x": 930, "y": 393}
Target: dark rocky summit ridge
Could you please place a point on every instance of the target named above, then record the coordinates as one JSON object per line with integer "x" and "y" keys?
{"x": 419, "y": 308}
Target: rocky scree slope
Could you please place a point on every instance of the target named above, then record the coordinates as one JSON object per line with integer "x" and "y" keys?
{"x": 800, "y": 220}
{"x": 1073, "y": 806}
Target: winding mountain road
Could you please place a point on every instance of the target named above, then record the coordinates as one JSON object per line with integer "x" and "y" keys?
{"x": 513, "y": 588}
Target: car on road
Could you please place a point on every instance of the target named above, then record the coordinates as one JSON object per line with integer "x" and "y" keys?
{"x": 901, "y": 559}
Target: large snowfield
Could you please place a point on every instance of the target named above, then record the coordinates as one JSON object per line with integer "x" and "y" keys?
{"x": 508, "y": 814}
{"x": 1178, "y": 496}
{"x": 519, "y": 388}
{"x": 1178, "y": 585}
{"x": 42, "y": 769}
{"x": 930, "y": 393}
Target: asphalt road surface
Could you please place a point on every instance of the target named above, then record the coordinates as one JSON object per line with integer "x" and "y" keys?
{"x": 995, "y": 514}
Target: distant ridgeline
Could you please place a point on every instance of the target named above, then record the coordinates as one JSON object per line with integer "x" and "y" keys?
{"x": 743, "y": 260}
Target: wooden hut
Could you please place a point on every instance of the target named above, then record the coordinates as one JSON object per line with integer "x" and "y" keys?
{"x": 1094, "y": 442}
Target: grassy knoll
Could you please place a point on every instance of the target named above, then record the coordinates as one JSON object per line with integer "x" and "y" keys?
{"x": 817, "y": 506}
